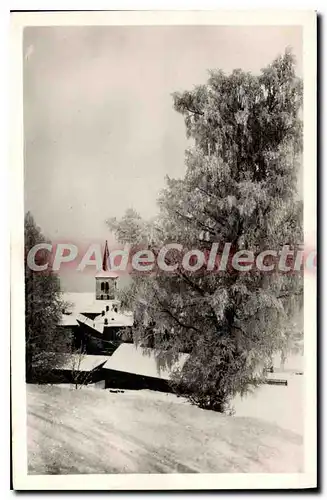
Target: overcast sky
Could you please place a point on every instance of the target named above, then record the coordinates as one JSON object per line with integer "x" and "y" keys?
{"x": 100, "y": 129}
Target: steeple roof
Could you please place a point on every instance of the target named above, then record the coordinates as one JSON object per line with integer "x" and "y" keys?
{"x": 105, "y": 272}
{"x": 105, "y": 260}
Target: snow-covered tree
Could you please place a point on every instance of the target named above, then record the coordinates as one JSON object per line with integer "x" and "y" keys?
{"x": 240, "y": 187}
{"x": 45, "y": 342}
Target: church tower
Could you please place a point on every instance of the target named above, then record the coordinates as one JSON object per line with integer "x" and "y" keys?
{"x": 105, "y": 280}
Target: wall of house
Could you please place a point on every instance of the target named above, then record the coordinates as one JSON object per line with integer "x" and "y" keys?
{"x": 105, "y": 379}
{"x": 92, "y": 343}
{"x": 122, "y": 380}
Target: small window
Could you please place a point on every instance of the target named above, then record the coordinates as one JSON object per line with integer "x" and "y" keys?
{"x": 101, "y": 297}
{"x": 115, "y": 309}
{"x": 102, "y": 286}
{"x": 105, "y": 321}
{"x": 103, "y": 313}
{"x": 107, "y": 308}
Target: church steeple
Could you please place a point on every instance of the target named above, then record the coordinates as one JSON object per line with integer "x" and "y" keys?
{"x": 105, "y": 280}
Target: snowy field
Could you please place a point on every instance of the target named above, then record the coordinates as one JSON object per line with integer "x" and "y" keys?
{"x": 96, "y": 431}
{"x": 278, "y": 404}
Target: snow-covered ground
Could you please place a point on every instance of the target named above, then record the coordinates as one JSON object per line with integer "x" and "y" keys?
{"x": 278, "y": 404}
{"x": 96, "y": 431}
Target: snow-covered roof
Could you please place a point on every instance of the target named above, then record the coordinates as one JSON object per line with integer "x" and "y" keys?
{"x": 83, "y": 362}
{"x": 78, "y": 300}
{"x": 85, "y": 302}
{"x": 69, "y": 320}
{"x": 110, "y": 318}
{"x": 77, "y": 303}
{"x": 141, "y": 361}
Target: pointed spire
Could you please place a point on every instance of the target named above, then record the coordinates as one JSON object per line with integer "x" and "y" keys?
{"x": 105, "y": 261}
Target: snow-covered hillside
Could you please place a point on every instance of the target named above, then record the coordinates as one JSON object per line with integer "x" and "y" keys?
{"x": 97, "y": 431}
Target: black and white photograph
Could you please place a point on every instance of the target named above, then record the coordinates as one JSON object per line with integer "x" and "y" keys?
{"x": 163, "y": 275}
